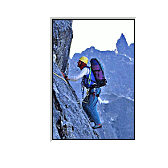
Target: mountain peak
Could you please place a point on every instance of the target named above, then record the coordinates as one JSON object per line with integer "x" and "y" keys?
{"x": 123, "y": 37}
{"x": 122, "y": 44}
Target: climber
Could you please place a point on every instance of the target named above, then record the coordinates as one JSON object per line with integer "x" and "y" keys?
{"x": 90, "y": 102}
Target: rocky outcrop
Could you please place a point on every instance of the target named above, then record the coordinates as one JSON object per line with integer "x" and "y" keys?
{"x": 123, "y": 48}
{"x": 62, "y": 37}
{"x": 69, "y": 119}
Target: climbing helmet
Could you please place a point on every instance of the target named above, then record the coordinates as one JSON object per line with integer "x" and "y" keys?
{"x": 84, "y": 59}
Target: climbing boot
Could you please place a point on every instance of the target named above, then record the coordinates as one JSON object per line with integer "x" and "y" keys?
{"x": 97, "y": 126}
{"x": 91, "y": 120}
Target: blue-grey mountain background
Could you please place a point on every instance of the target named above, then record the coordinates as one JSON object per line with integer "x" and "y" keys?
{"x": 116, "y": 102}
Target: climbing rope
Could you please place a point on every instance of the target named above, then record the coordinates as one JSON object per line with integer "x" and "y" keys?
{"x": 60, "y": 77}
{"x": 65, "y": 81}
{"x": 63, "y": 130}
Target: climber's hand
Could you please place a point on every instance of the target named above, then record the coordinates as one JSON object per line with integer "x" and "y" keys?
{"x": 63, "y": 74}
{"x": 66, "y": 77}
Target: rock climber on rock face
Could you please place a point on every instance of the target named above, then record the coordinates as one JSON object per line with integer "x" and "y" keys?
{"x": 90, "y": 102}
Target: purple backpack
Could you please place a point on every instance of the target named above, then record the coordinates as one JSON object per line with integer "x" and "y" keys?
{"x": 98, "y": 72}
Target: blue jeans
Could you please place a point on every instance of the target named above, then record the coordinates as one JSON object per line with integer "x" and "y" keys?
{"x": 90, "y": 105}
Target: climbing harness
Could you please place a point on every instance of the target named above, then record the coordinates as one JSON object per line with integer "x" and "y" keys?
{"x": 87, "y": 96}
{"x": 87, "y": 92}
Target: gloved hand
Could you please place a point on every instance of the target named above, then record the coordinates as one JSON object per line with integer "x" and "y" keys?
{"x": 66, "y": 77}
{"x": 63, "y": 74}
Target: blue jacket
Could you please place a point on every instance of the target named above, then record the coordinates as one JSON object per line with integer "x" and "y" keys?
{"x": 89, "y": 79}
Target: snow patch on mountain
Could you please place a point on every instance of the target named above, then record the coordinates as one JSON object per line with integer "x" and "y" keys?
{"x": 102, "y": 101}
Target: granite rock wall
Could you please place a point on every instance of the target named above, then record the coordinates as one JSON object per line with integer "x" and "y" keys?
{"x": 69, "y": 119}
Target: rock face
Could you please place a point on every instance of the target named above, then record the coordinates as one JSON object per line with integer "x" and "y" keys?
{"x": 62, "y": 37}
{"x": 69, "y": 119}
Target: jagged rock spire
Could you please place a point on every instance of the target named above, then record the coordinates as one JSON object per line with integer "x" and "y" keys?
{"x": 122, "y": 44}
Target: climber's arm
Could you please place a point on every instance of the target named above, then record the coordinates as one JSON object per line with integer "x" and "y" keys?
{"x": 83, "y": 72}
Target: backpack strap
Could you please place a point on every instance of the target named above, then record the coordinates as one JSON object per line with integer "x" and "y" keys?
{"x": 89, "y": 79}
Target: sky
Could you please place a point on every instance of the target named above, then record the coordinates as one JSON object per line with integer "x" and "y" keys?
{"x": 102, "y": 34}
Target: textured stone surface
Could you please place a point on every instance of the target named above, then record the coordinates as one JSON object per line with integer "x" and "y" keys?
{"x": 62, "y": 37}
{"x": 70, "y": 121}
